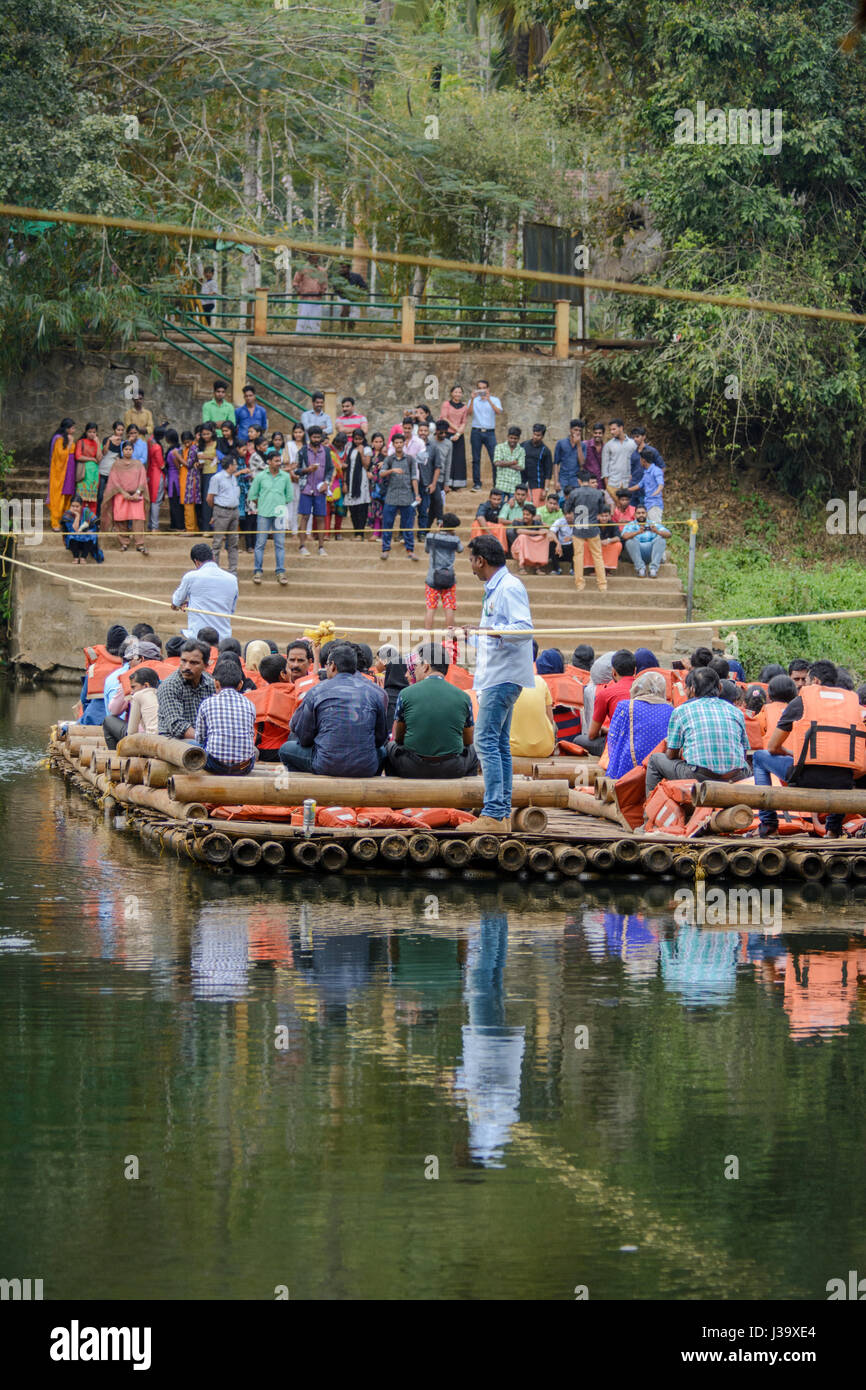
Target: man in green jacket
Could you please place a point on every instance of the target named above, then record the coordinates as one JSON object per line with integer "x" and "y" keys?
{"x": 218, "y": 409}
{"x": 269, "y": 497}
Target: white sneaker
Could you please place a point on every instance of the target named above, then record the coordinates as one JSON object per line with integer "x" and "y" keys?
{"x": 303, "y": 550}
{"x": 322, "y": 550}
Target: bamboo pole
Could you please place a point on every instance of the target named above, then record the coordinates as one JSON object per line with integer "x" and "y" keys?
{"x": 333, "y": 857}
{"x": 247, "y": 853}
{"x": 600, "y": 858}
{"x": 858, "y": 865}
{"x": 540, "y": 859}
{"x": 463, "y": 793}
{"x": 743, "y": 863}
{"x": 306, "y": 853}
{"x": 837, "y": 866}
{"x": 730, "y": 820}
{"x": 484, "y": 846}
{"x": 365, "y": 849}
{"x": 819, "y": 799}
{"x": 683, "y": 866}
{"x": 806, "y": 863}
{"x": 134, "y": 770}
{"x": 159, "y": 800}
{"x": 455, "y": 853}
{"x": 771, "y": 860}
{"x": 626, "y": 851}
{"x": 713, "y": 860}
{"x": 157, "y": 773}
{"x": 423, "y": 847}
{"x": 273, "y": 853}
{"x": 217, "y": 848}
{"x": 394, "y": 848}
{"x": 512, "y": 855}
{"x": 171, "y": 750}
{"x": 656, "y": 859}
{"x": 570, "y": 860}
{"x": 79, "y": 731}
{"x": 591, "y": 806}
{"x": 531, "y": 820}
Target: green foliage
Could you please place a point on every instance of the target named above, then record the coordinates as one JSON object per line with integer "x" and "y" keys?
{"x": 749, "y": 583}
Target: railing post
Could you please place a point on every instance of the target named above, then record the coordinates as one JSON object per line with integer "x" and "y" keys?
{"x": 693, "y": 542}
{"x": 239, "y": 365}
{"x": 260, "y": 315}
{"x": 560, "y": 349}
{"x": 407, "y": 322}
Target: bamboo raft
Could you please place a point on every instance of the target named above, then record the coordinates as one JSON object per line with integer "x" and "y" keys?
{"x": 559, "y": 831}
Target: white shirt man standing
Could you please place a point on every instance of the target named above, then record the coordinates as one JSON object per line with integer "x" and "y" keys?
{"x": 616, "y": 459}
{"x": 208, "y": 594}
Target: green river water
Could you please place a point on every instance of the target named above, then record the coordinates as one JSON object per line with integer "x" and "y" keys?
{"x": 356, "y": 1087}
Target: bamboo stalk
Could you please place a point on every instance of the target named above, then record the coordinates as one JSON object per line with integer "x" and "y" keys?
{"x": 730, "y": 820}
{"x": 247, "y": 853}
{"x": 743, "y": 863}
{"x": 171, "y": 750}
{"x": 333, "y": 857}
{"x": 806, "y": 863}
{"x": 858, "y": 865}
{"x": 591, "y": 806}
{"x": 484, "y": 846}
{"x": 837, "y": 866}
{"x": 273, "y": 853}
{"x": 532, "y": 820}
{"x": 217, "y": 848}
{"x": 365, "y": 849}
{"x": 600, "y": 858}
{"x": 511, "y": 855}
{"x": 464, "y": 793}
{"x": 157, "y": 773}
{"x": 159, "y": 800}
{"x": 394, "y": 848}
{"x": 683, "y": 866}
{"x": 306, "y": 853}
{"x": 423, "y": 848}
{"x": 134, "y": 770}
{"x": 626, "y": 851}
{"x": 771, "y": 860}
{"x": 540, "y": 859}
{"x": 656, "y": 859}
{"x": 570, "y": 860}
{"x": 713, "y": 860}
{"x": 455, "y": 853}
{"x": 818, "y": 799}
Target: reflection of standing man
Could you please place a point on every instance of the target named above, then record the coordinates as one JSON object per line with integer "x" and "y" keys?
{"x": 492, "y": 1053}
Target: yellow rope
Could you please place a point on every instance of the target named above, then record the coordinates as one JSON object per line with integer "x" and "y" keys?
{"x": 583, "y": 630}
{"x": 247, "y": 238}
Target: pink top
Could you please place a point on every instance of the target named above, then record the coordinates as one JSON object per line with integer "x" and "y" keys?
{"x": 454, "y": 414}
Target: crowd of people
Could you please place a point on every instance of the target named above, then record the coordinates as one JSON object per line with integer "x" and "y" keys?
{"x": 473, "y": 700}
{"x": 233, "y": 476}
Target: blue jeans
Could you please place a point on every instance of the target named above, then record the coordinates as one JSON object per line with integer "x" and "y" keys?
{"x": 407, "y": 521}
{"x": 763, "y": 763}
{"x": 493, "y": 744}
{"x": 265, "y": 525}
{"x": 94, "y": 711}
{"x": 639, "y": 557}
{"x": 477, "y": 439}
{"x": 296, "y": 758}
{"x": 222, "y": 770}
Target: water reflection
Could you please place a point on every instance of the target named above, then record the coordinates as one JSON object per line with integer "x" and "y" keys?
{"x": 286, "y": 1052}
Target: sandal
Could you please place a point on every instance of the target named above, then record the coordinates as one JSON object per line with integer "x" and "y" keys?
{"x": 124, "y": 548}
{"x": 143, "y": 548}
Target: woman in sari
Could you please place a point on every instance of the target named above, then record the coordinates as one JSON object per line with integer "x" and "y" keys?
{"x": 61, "y": 472}
{"x": 455, "y": 411}
{"x": 128, "y": 493}
{"x": 638, "y": 724}
{"x": 81, "y": 532}
{"x": 87, "y": 453}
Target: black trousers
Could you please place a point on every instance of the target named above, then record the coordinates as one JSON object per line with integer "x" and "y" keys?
{"x": 175, "y": 514}
{"x": 404, "y": 762}
{"x": 358, "y": 512}
{"x": 567, "y": 554}
{"x": 114, "y": 730}
{"x": 247, "y": 525}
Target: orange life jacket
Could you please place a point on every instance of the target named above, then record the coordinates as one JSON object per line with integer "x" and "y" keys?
{"x": 274, "y": 706}
{"x": 664, "y": 807}
{"x": 831, "y": 732}
{"x": 671, "y": 680}
{"x": 770, "y": 716}
{"x": 567, "y": 696}
{"x": 303, "y": 685}
{"x": 100, "y": 664}
{"x": 578, "y": 674}
{"x": 457, "y": 675}
{"x": 754, "y": 729}
{"x": 163, "y": 669}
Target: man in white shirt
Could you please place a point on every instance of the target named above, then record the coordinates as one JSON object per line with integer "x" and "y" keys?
{"x": 208, "y": 594}
{"x": 224, "y": 496}
{"x": 616, "y": 460}
{"x": 317, "y": 416}
{"x": 485, "y": 409}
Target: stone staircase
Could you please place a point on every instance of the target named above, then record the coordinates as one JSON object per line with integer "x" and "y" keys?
{"x": 369, "y": 600}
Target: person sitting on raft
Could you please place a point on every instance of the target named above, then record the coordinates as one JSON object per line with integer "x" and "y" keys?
{"x": 434, "y": 724}
{"x": 706, "y": 738}
{"x": 339, "y": 728}
{"x": 606, "y": 699}
{"x": 819, "y": 741}
{"x": 180, "y": 695}
{"x": 143, "y": 707}
{"x": 638, "y": 724}
{"x": 225, "y": 723}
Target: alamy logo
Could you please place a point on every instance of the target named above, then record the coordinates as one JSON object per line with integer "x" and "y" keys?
{"x": 855, "y": 1290}
{"x": 22, "y": 519}
{"x": 720, "y": 907}
{"x": 735, "y": 126}
{"x": 21, "y": 1289}
{"x": 76, "y": 1343}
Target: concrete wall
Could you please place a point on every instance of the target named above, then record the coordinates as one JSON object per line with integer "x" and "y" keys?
{"x": 90, "y": 386}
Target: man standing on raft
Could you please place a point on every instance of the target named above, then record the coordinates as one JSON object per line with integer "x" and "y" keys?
{"x": 503, "y": 668}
